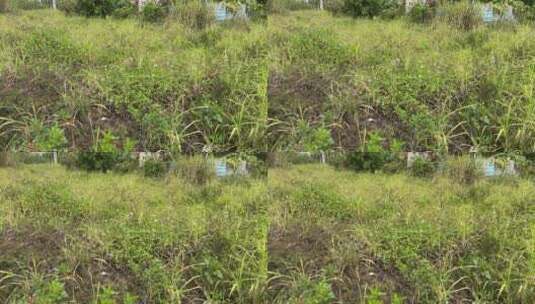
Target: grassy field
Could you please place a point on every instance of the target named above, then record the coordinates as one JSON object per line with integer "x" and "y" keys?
{"x": 310, "y": 234}
{"x": 70, "y": 236}
{"x": 67, "y": 80}
{"x": 434, "y": 86}
{"x": 165, "y": 86}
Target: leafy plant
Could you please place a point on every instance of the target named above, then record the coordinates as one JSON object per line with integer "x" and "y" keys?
{"x": 422, "y": 167}
{"x": 51, "y": 139}
{"x": 318, "y": 139}
{"x": 101, "y": 8}
{"x": 373, "y": 156}
{"x": 309, "y": 291}
{"x": 51, "y": 293}
{"x": 105, "y": 155}
{"x": 154, "y": 168}
{"x": 369, "y": 8}
{"x": 421, "y": 13}
{"x": 153, "y": 12}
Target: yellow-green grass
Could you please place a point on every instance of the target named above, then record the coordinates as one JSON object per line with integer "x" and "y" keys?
{"x": 310, "y": 234}
{"x": 164, "y": 85}
{"x": 433, "y": 86}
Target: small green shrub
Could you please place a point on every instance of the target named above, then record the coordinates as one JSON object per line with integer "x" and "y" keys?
{"x": 366, "y": 161}
{"x": 106, "y": 295}
{"x": 153, "y": 12}
{"x": 527, "y": 167}
{"x": 523, "y": 11}
{"x": 370, "y": 8}
{"x": 374, "y": 156}
{"x": 318, "y": 139}
{"x": 422, "y": 167}
{"x": 96, "y": 161}
{"x": 100, "y": 8}
{"x": 51, "y": 139}
{"x": 257, "y": 167}
{"x": 311, "y": 292}
{"x": 154, "y": 168}
{"x": 105, "y": 155}
{"x": 421, "y": 13}
{"x": 50, "y": 293}
{"x": 124, "y": 11}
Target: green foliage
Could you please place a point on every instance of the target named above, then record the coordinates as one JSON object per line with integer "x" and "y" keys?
{"x": 463, "y": 15}
{"x": 445, "y": 96}
{"x": 154, "y": 168}
{"x": 52, "y": 292}
{"x": 51, "y": 139}
{"x": 102, "y": 8}
{"x": 105, "y": 155}
{"x": 153, "y": 12}
{"x": 366, "y": 161}
{"x": 213, "y": 93}
{"x": 96, "y": 161}
{"x": 524, "y": 10}
{"x": 422, "y": 167}
{"x": 105, "y": 295}
{"x": 336, "y": 7}
{"x": 375, "y": 296}
{"x": 370, "y": 8}
{"x": 314, "y": 292}
{"x": 318, "y": 139}
{"x": 421, "y": 13}
{"x": 373, "y": 156}
{"x": 409, "y": 239}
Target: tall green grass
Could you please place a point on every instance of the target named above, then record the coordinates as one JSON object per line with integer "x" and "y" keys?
{"x": 311, "y": 234}
{"x": 166, "y": 86}
{"x": 134, "y": 239}
{"x": 445, "y": 86}
{"x": 399, "y": 239}
{"x": 181, "y": 85}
